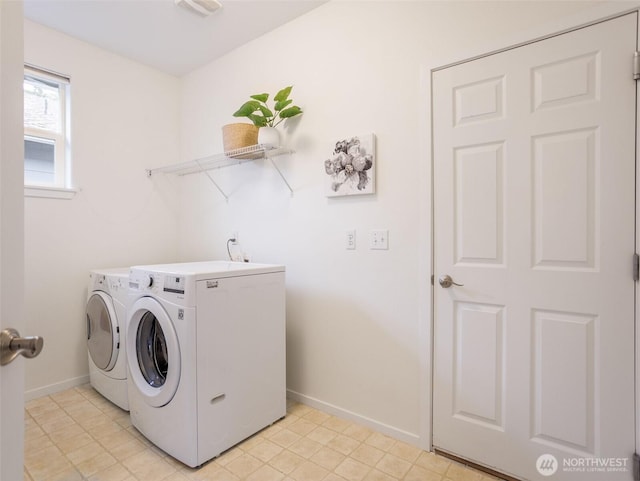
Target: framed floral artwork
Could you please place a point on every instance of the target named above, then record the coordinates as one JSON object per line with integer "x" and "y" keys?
{"x": 352, "y": 166}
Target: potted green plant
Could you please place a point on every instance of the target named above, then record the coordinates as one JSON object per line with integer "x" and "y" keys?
{"x": 266, "y": 118}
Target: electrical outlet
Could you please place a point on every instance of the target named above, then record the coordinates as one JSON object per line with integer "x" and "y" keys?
{"x": 351, "y": 239}
{"x": 379, "y": 239}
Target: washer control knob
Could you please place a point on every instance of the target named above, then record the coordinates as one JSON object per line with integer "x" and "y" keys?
{"x": 147, "y": 280}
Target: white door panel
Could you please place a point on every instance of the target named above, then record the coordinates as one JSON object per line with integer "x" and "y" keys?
{"x": 11, "y": 235}
{"x": 534, "y": 191}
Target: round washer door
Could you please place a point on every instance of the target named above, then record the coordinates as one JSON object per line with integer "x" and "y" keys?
{"x": 153, "y": 352}
{"x": 103, "y": 336}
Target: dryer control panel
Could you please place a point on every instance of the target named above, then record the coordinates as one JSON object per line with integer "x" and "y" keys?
{"x": 170, "y": 286}
{"x": 174, "y": 284}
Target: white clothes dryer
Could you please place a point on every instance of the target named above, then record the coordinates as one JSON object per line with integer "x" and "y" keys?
{"x": 206, "y": 349}
{"x": 107, "y": 298}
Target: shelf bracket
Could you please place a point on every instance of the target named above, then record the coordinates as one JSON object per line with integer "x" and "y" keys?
{"x": 273, "y": 162}
{"x": 206, "y": 172}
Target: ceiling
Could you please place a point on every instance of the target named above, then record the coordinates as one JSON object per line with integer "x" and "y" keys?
{"x": 162, "y": 35}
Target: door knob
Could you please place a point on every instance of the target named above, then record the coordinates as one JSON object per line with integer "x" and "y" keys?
{"x": 12, "y": 346}
{"x": 446, "y": 281}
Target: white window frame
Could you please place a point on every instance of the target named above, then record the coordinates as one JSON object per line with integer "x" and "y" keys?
{"x": 62, "y": 185}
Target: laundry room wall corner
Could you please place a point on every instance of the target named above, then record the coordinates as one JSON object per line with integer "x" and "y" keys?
{"x": 124, "y": 119}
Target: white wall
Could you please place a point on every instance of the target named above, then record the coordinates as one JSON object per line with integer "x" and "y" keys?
{"x": 125, "y": 118}
{"x": 357, "y": 321}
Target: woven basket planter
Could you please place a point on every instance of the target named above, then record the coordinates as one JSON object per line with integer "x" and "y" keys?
{"x": 237, "y": 136}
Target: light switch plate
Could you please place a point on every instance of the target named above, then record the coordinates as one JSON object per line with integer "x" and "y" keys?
{"x": 379, "y": 239}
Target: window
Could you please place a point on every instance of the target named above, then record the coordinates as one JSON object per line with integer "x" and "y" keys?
{"x": 46, "y": 129}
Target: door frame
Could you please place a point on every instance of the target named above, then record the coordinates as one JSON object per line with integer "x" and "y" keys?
{"x": 426, "y": 226}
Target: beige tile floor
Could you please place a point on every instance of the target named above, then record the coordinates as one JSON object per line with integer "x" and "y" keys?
{"x": 78, "y": 435}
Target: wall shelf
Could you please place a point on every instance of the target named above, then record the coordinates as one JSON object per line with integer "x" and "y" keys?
{"x": 226, "y": 159}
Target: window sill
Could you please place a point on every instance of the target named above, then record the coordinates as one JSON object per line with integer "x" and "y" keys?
{"x": 49, "y": 192}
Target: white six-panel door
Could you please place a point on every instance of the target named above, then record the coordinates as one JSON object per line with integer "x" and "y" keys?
{"x": 534, "y": 188}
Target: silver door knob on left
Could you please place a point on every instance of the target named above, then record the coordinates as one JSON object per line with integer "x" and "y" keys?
{"x": 12, "y": 346}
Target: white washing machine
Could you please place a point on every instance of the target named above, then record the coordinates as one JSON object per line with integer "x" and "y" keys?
{"x": 106, "y": 312}
{"x": 206, "y": 349}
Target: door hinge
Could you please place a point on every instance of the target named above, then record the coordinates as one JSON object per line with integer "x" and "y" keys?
{"x": 636, "y": 267}
{"x": 636, "y": 65}
{"x": 636, "y": 467}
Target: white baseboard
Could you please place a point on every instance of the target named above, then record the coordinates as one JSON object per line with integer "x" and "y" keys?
{"x": 54, "y": 388}
{"x": 407, "y": 437}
